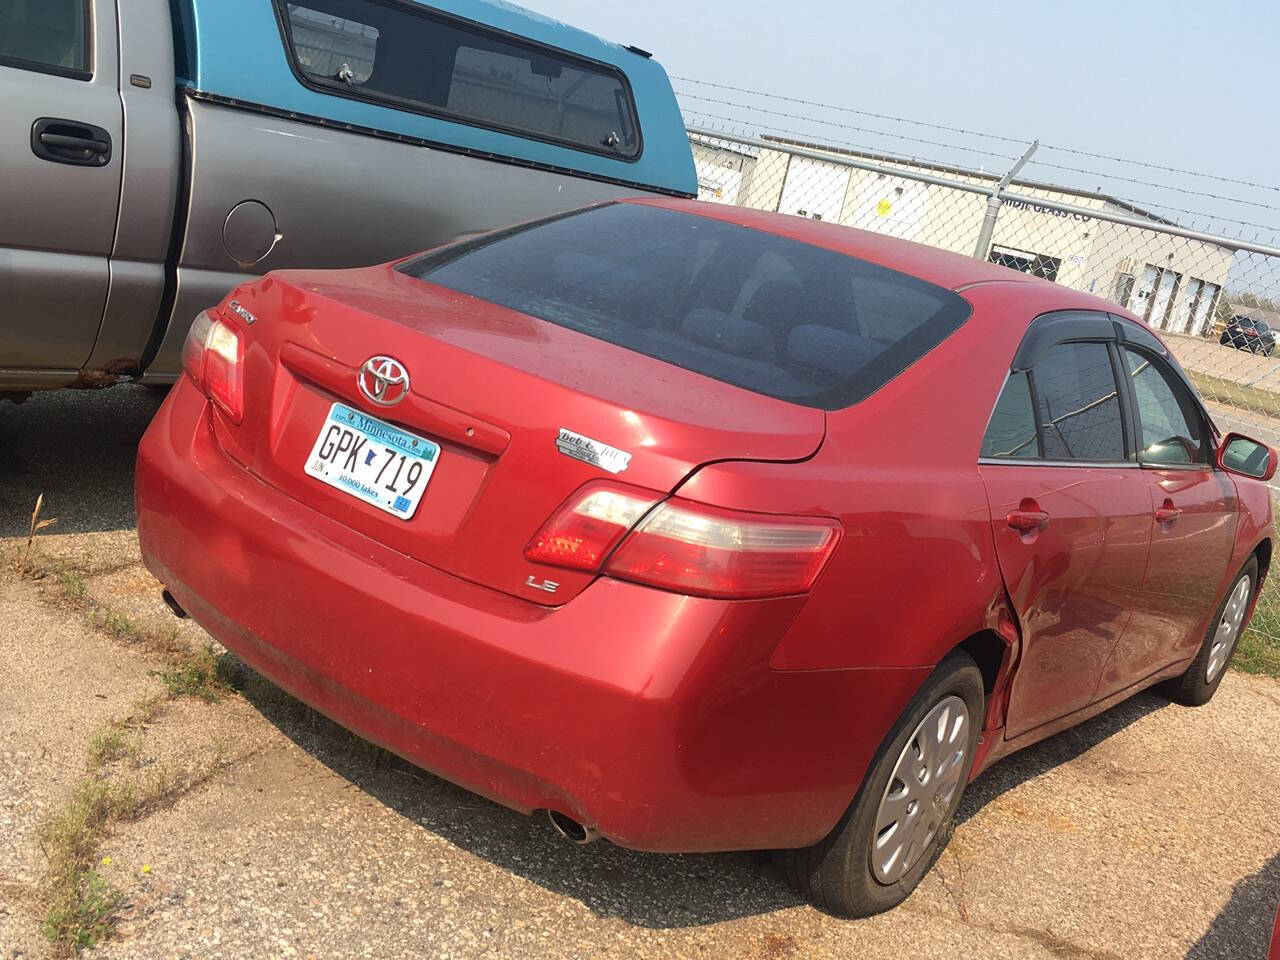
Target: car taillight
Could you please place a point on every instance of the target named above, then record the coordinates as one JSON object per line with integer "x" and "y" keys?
{"x": 213, "y": 356}
{"x": 582, "y": 532}
{"x": 686, "y": 547}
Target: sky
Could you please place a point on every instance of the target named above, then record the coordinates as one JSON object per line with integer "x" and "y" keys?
{"x": 1181, "y": 84}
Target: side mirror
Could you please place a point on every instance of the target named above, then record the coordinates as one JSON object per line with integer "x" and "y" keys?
{"x": 1247, "y": 457}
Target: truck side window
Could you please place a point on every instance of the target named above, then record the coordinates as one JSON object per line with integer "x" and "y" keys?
{"x": 422, "y": 59}
{"x": 46, "y": 35}
{"x": 332, "y": 48}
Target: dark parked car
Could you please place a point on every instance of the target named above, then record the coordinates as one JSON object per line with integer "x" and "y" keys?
{"x": 1246, "y": 333}
{"x": 694, "y": 527}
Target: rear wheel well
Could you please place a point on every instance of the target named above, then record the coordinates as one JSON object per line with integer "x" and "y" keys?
{"x": 987, "y": 650}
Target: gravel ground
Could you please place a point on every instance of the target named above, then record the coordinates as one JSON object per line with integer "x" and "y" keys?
{"x": 1147, "y": 832}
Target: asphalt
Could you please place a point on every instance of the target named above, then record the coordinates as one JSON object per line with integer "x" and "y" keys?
{"x": 1148, "y": 832}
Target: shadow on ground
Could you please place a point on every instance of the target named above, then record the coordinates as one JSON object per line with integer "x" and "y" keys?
{"x": 1063, "y": 748}
{"x": 1243, "y": 928}
{"x": 77, "y": 447}
{"x": 649, "y": 890}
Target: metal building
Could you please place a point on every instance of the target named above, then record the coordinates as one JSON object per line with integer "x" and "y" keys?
{"x": 1173, "y": 282}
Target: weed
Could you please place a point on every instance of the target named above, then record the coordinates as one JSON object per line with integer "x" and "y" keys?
{"x": 115, "y": 624}
{"x": 107, "y": 747}
{"x": 74, "y": 587}
{"x": 85, "y": 918}
{"x": 79, "y": 902}
{"x": 80, "y": 905}
{"x": 201, "y": 674}
{"x": 36, "y": 526}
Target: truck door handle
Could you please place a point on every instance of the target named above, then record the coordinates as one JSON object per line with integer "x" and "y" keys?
{"x": 1167, "y": 513}
{"x": 70, "y": 141}
{"x": 1027, "y": 521}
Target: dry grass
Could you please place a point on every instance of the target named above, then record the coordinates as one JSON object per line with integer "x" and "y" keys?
{"x": 1259, "y": 647}
{"x": 80, "y": 905}
{"x": 37, "y": 524}
{"x": 204, "y": 674}
{"x": 1252, "y": 399}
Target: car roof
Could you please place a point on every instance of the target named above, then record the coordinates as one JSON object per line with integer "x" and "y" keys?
{"x": 953, "y": 271}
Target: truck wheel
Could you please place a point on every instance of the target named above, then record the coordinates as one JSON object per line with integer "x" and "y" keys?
{"x": 900, "y": 819}
{"x": 1200, "y": 681}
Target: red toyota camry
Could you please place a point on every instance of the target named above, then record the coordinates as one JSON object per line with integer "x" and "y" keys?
{"x": 703, "y": 528}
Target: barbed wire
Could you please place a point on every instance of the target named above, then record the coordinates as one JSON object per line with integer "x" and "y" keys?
{"x": 990, "y": 136}
{"x": 1147, "y": 183}
{"x": 863, "y": 113}
{"x": 845, "y": 126}
{"x": 1149, "y": 207}
{"x": 850, "y": 145}
{"x": 755, "y": 108}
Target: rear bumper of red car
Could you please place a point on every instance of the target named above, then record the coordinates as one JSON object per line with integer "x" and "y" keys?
{"x": 651, "y": 716}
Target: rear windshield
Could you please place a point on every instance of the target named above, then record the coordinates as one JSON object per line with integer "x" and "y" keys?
{"x": 759, "y": 311}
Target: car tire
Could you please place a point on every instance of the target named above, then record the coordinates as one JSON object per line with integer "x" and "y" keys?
{"x": 837, "y": 873}
{"x": 1200, "y": 682}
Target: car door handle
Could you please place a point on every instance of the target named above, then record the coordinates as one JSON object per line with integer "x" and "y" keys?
{"x": 1168, "y": 513}
{"x": 1027, "y": 521}
{"x": 71, "y": 142}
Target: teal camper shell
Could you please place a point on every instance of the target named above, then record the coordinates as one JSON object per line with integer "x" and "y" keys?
{"x": 246, "y": 53}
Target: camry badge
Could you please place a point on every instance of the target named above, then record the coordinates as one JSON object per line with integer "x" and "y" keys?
{"x": 383, "y": 380}
{"x": 592, "y": 451}
{"x": 235, "y": 307}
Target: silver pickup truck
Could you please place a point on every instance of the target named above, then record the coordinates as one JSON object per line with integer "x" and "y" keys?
{"x": 154, "y": 152}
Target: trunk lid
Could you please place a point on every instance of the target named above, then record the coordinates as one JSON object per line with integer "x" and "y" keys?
{"x": 494, "y": 388}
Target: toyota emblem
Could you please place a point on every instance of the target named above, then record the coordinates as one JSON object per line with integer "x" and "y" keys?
{"x": 384, "y": 381}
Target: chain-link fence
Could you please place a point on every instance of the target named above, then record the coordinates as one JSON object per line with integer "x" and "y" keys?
{"x": 1215, "y": 297}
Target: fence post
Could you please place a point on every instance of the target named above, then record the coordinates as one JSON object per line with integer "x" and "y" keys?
{"x": 994, "y": 201}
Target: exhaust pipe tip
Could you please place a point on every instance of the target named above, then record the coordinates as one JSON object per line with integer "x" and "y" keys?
{"x": 571, "y": 829}
{"x": 173, "y": 605}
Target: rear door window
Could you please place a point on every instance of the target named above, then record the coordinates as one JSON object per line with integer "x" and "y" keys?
{"x": 424, "y": 60}
{"x": 1079, "y": 404}
{"x": 754, "y": 309}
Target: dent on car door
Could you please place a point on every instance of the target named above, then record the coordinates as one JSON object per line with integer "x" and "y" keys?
{"x": 1193, "y": 524}
{"x": 1071, "y": 516}
{"x": 61, "y": 115}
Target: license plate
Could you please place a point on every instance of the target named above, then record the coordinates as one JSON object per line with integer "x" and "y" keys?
{"x": 373, "y": 461}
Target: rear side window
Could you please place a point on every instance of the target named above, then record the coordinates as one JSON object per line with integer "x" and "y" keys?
{"x": 1011, "y": 434}
{"x": 1079, "y": 405}
{"x": 414, "y": 57}
{"x": 760, "y": 311}
{"x": 50, "y": 36}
